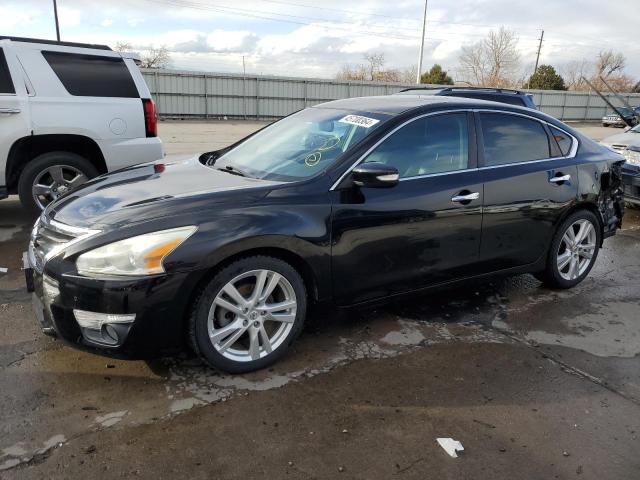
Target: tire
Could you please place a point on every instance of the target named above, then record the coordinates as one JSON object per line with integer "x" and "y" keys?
{"x": 69, "y": 164}
{"x": 245, "y": 323}
{"x": 579, "y": 265}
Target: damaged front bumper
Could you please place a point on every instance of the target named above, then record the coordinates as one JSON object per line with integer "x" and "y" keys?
{"x": 631, "y": 183}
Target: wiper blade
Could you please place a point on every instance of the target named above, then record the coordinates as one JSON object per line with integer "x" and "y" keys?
{"x": 233, "y": 171}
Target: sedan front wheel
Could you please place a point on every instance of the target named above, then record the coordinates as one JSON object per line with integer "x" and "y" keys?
{"x": 249, "y": 314}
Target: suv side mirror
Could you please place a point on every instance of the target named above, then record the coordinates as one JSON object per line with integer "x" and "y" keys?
{"x": 375, "y": 175}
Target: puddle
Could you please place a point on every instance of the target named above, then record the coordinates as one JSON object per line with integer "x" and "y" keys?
{"x": 615, "y": 333}
{"x": 8, "y": 231}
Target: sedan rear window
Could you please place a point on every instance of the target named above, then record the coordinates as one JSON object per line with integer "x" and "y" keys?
{"x": 92, "y": 75}
{"x": 6, "y": 85}
{"x": 513, "y": 139}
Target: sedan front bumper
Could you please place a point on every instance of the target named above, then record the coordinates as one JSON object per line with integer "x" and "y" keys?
{"x": 631, "y": 184}
{"x": 156, "y": 305}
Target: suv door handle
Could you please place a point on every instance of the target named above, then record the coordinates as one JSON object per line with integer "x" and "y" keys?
{"x": 563, "y": 178}
{"x": 465, "y": 198}
{"x": 9, "y": 110}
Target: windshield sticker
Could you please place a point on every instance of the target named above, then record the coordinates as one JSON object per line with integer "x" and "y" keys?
{"x": 313, "y": 159}
{"x": 360, "y": 121}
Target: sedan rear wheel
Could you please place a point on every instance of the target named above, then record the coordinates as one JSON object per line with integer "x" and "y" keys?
{"x": 249, "y": 314}
{"x": 576, "y": 250}
{"x": 573, "y": 251}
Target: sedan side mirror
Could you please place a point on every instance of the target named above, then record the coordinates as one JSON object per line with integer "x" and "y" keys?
{"x": 375, "y": 175}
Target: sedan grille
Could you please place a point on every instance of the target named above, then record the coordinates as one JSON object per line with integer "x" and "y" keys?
{"x": 49, "y": 238}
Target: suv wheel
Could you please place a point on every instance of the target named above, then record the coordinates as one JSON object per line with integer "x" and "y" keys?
{"x": 573, "y": 251}
{"x": 248, "y": 316}
{"x": 51, "y": 175}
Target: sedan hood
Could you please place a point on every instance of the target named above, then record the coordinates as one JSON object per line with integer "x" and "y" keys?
{"x": 627, "y": 138}
{"x": 151, "y": 190}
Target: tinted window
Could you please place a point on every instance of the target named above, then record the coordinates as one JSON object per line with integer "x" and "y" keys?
{"x": 512, "y": 139}
{"x": 92, "y": 75}
{"x": 564, "y": 141}
{"x": 428, "y": 145}
{"x": 6, "y": 85}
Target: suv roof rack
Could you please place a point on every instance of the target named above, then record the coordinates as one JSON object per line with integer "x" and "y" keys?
{"x": 55, "y": 42}
{"x": 451, "y": 89}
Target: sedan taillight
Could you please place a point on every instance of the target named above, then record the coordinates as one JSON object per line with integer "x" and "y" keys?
{"x": 150, "y": 117}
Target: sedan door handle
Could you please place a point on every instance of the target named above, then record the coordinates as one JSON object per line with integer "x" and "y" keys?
{"x": 465, "y": 198}
{"x": 563, "y": 178}
{"x": 9, "y": 110}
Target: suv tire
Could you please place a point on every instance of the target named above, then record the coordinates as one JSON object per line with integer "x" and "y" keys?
{"x": 572, "y": 255}
{"x": 63, "y": 165}
{"x": 236, "y": 328}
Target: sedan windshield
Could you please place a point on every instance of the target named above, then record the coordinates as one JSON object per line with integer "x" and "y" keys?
{"x": 299, "y": 146}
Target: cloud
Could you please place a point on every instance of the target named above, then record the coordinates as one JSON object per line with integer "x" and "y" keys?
{"x": 69, "y": 17}
{"x": 107, "y": 22}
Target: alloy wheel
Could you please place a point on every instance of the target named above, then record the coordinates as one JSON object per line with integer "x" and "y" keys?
{"x": 55, "y": 181}
{"x": 252, "y": 315}
{"x": 576, "y": 249}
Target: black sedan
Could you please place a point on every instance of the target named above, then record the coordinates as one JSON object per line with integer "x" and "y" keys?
{"x": 348, "y": 202}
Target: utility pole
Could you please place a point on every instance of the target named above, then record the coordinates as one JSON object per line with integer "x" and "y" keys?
{"x": 55, "y": 14}
{"x": 424, "y": 27}
{"x": 539, "y": 48}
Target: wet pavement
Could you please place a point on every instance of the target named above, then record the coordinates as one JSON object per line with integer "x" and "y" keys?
{"x": 535, "y": 383}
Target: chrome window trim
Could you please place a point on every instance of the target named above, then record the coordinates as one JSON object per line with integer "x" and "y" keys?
{"x": 572, "y": 152}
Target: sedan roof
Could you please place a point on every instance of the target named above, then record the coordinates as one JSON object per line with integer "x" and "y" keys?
{"x": 397, "y": 104}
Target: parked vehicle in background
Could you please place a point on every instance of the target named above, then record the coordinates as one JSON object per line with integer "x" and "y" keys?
{"x": 69, "y": 112}
{"x": 615, "y": 120}
{"x": 628, "y": 145}
{"x": 349, "y": 202}
{"x": 502, "y": 95}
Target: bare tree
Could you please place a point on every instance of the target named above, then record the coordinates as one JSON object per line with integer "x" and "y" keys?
{"x": 609, "y": 63}
{"x": 492, "y": 62}
{"x": 123, "y": 47}
{"x": 155, "y": 58}
{"x": 150, "y": 58}
{"x": 372, "y": 70}
{"x": 375, "y": 64}
{"x": 574, "y": 74}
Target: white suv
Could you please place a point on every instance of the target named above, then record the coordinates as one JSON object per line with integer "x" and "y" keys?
{"x": 69, "y": 112}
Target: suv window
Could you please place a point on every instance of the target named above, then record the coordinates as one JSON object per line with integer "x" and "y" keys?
{"x": 513, "y": 139}
{"x": 6, "y": 85}
{"x": 434, "y": 144}
{"x": 563, "y": 140}
{"x": 92, "y": 75}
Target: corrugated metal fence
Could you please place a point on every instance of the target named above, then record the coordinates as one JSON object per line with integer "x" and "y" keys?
{"x": 214, "y": 95}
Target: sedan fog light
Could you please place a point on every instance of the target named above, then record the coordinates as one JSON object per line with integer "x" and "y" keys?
{"x": 95, "y": 321}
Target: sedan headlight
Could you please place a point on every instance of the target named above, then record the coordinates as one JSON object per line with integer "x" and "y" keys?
{"x": 141, "y": 255}
{"x": 632, "y": 156}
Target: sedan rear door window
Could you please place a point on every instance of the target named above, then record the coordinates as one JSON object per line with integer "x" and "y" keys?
{"x": 513, "y": 139}
{"x": 428, "y": 145}
{"x": 6, "y": 85}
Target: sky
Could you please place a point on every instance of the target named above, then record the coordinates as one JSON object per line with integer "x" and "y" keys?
{"x": 314, "y": 38}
